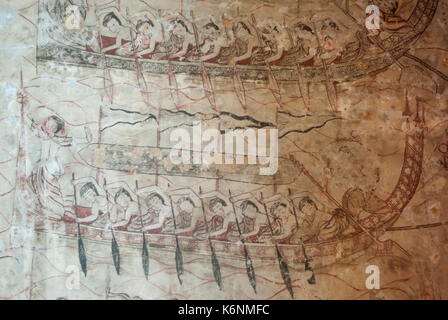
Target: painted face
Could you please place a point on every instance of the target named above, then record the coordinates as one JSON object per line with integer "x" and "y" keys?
{"x": 329, "y": 43}
{"x": 250, "y": 212}
{"x": 240, "y": 31}
{"x": 304, "y": 34}
{"x": 179, "y": 30}
{"x": 270, "y": 28}
{"x": 356, "y": 202}
{"x": 123, "y": 201}
{"x": 218, "y": 209}
{"x": 51, "y": 126}
{"x": 89, "y": 196}
{"x": 155, "y": 203}
{"x": 281, "y": 211}
{"x": 328, "y": 24}
{"x": 186, "y": 206}
{"x": 309, "y": 211}
{"x": 113, "y": 26}
{"x": 211, "y": 33}
{"x": 146, "y": 29}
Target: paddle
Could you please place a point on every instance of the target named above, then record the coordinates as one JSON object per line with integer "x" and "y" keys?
{"x": 249, "y": 264}
{"x": 140, "y": 76}
{"x": 81, "y": 249}
{"x": 273, "y": 84}
{"x": 208, "y": 87}
{"x": 115, "y": 249}
{"x": 178, "y": 255}
{"x": 215, "y": 263}
{"x": 331, "y": 90}
{"x": 238, "y": 85}
{"x": 107, "y": 78}
{"x": 311, "y": 280}
{"x": 284, "y": 270}
{"x": 299, "y": 69}
{"x": 145, "y": 253}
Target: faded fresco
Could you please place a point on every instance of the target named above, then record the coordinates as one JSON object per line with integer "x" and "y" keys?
{"x": 93, "y": 207}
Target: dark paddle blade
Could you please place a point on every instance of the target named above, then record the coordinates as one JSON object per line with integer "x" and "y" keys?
{"x": 284, "y": 272}
{"x": 250, "y": 270}
{"x": 312, "y": 280}
{"x": 216, "y": 269}
{"x": 82, "y": 256}
{"x": 145, "y": 258}
{"x": 116, "y": 254}
{"x": 179, "y": 262}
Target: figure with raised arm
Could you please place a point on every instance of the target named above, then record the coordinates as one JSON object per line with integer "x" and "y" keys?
{"x": 115, "y": 34}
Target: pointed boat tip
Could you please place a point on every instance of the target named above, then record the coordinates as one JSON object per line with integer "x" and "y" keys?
{"x": 291, "y": 292}
{"x": 312, "y": 280}
{"x": 254, "y": 286}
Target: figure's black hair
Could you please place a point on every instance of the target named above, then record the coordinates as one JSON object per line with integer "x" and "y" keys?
{"x": 155, "y": 195}
{"x": 211, "y": 25}
{"x": 82, "y": 9}
{"x": 331, "y": 24}
{"x": 276, "y": 205}
{"x": 108, "y": 17}
{"x": 304, "y": 27}
{"x": 183, "y": 199}
{"x": 88, "y": 186}
{"x": 334, "y": 25}
{"x": 244, "y": 27}
{"x": 120, "y": 192}
{"x": 247, "y": 203}
{"x": 141, "y": 22}
{"x": 306, "y": 200}
{"x": 215, "y": 201}
{"x": 59, "y": 122}
{"x": 183, "y": 24}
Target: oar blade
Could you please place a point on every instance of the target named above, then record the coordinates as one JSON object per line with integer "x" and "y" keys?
{"x": 275, "y": 89}
{"x": 179, "y": 263}
{"x": 82, "y": 256}
{"x": 145, "y": 258}
{"x": 312, "y": 280}
{"x": 301, "y": 86}
{"x": 284, "y": 270}
{"x": 108, "y": 84}
{"x": 216, "y": 269}
{"x": 116, "y": 254}
{"x": 143, "y": 86}
{"x": 208, "y": 87}
{"x": 332, "y": 96}
{"x": 250, "y": 271}
{"x": 239, "y": 88}
{"x": 174, "y": 87}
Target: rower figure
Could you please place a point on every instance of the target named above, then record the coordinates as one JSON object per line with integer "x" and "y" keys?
{"x": 219, "y": 215}
{"x": 156, "y": 214}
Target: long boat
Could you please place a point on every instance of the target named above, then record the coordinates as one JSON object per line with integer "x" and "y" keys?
{"x": 393, "y": 48}
{"x": 321, "y": 252}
